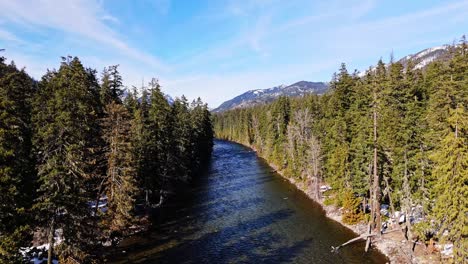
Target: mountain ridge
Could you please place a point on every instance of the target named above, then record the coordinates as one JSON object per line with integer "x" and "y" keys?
{"x": 260, "y": 96}
{"x": 419, "y": 60}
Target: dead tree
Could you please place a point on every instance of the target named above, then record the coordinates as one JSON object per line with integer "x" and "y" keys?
{"x": 375, "y": 220}
{"x": 314, "y": 157}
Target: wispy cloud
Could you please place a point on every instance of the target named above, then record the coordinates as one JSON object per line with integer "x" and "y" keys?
{"x": 110, "y": 18}
{"x": 8, "y": 36}
{"x": 83, "y": 18}
{"x": 218, "y": 49}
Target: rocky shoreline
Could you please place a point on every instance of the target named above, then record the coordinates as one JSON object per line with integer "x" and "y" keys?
{"x": 392, "y": 245}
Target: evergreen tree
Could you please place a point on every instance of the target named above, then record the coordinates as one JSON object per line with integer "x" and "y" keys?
{"x": 202, "y": 134}
{"x": 181, "y": 130}
{"x": 451, "y": 171}
{"x": 111, "y": 85}
{"x": 119, "y": 185}
{"x": 65, "y": 120}
{"x": 160, "y": 159}
{"x": 119, "y": 182}
{"x": 17, "y": 174}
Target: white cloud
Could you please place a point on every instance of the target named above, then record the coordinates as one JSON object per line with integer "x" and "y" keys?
{"x": 80, "y": 17}
{"x": 110, "y": 18}
{"x": 8, "y": 36}
{"x": 269, "y": 41}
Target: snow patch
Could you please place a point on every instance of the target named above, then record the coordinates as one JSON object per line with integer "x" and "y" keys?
{"x": 427, "y": 51}
{"x": 257, "y": 92}
{"x": 425, "y": 62}
{"x": 38, "y": 254}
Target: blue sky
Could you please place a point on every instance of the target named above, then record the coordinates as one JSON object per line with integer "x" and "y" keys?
{"x": 219, "y": 49}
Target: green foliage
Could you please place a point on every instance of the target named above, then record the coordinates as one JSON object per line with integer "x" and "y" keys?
{"x": 17, "y": 173}
{"x": 419, "y": 162}
{"x": 120, "y": 180}
{"x": 66, "y": 124}
{"x": 423, "y": 230}
{"x": 451, "y": 171}
{"x": 352, "y": 212}
{"x": 69, "y": 140}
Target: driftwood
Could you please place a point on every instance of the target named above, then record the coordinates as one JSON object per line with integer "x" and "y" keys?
{"x": 363, "y": 237}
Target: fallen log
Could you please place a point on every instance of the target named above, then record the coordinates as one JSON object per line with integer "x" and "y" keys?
{"x": 363, "y": 236}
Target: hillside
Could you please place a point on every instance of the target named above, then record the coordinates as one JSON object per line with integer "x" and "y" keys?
{"x": 261, "y": 96}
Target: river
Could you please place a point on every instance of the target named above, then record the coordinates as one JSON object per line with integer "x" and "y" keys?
{"x": 241, "y": 211}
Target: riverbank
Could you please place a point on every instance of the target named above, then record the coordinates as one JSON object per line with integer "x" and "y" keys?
{"x": 393, "y": 245}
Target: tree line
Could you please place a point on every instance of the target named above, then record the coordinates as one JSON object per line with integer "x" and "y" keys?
{"x": 397, "y": 135}
{"x": 72, "y": 140}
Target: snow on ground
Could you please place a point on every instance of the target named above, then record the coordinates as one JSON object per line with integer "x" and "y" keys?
{"x": 38, "y": 254}
{"x": 42, "y": 260}
{"x": 424, "y": 62}
{"x": 427, "y": 51}
{"x": 258, "y": 92}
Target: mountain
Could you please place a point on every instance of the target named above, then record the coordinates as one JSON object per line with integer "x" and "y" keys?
{"x": 424, "y": 57}
{"x": 421, "y": 59}
{"x": 169, "y": 99}
{"x": 262, "y": 96}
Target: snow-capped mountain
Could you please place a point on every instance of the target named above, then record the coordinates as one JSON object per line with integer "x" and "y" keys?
{"x": 421, "y": 59}
{"x": 261, "y": 96}
{"x": 169, "y": 99}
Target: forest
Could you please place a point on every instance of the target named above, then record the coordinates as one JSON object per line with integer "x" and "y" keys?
{"x": 392, "y": 140}
{"x": 83, "y": 159}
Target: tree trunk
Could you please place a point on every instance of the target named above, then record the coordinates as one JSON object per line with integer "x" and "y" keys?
{"x": 317, "y": 188}
{"x": 389, "y": 194}
{"x": 364, "y": 204}
{"x": 407, "y": 201}
{"x": 376, "y": 202}
{"x": 147, "y": 197}
{"x": 368, "y": 239}
{"x": 50, "y": 252}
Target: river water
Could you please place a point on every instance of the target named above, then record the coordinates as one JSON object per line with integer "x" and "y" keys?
{"x": 241, "y": 211}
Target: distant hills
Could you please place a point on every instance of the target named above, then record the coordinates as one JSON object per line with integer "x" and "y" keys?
{"x": 261, "y": 96}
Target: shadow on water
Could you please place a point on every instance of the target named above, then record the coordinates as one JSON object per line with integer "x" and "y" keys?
{"x": 242, "y": 212}
{"x": 240, "y": 243}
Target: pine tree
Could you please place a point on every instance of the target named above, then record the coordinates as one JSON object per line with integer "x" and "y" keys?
{"x": 160, "y": 159}
{"x": 119, "y": 182}
{"x": 202, "y": 134}
{"x": 140, "y": 139}
{"x": 451, "y": 172}
{"x": 119, "y": 185}
{"x": 111, "y": 85}
{"x": 65, "y": 121}
{"x": 17, "y": 174}
{"x": 182, "y": 135}
{"x": 277, "y": 128}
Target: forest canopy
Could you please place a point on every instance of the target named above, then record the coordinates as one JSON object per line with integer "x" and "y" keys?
{"x": 83, "y": 159}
